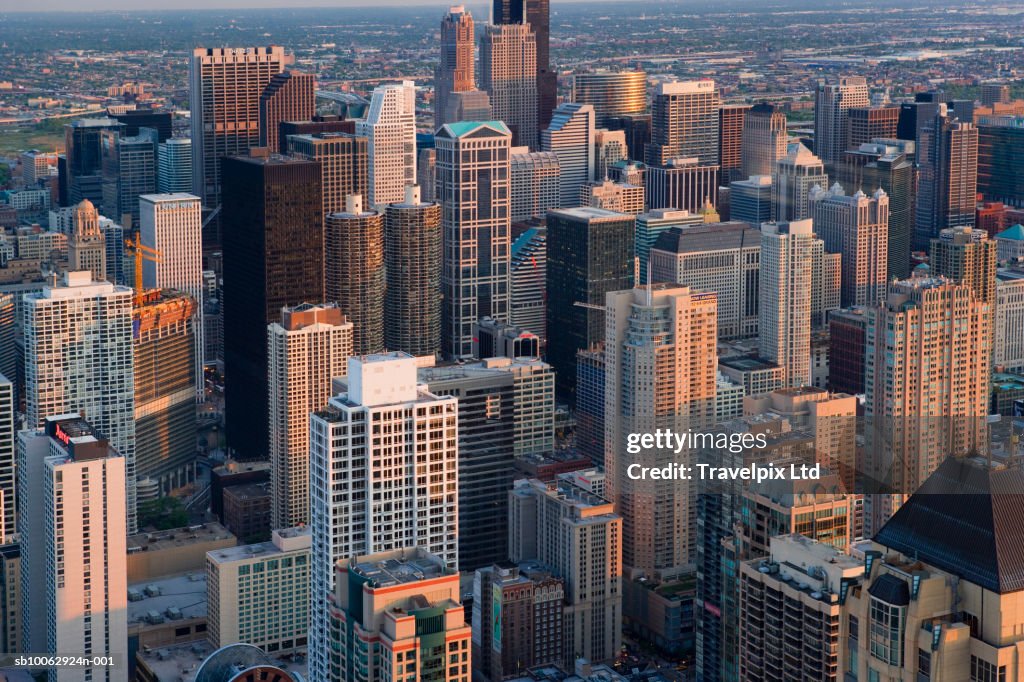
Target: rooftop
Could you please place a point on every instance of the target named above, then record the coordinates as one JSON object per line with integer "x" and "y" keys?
{"x": 178, "y": 537}
{"x": 591, "y": 213}
{"x": 390, "y": 571}
{"x": 154, "y": 600}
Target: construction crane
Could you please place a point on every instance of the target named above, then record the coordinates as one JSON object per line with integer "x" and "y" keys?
{"x": 140, "y": 251}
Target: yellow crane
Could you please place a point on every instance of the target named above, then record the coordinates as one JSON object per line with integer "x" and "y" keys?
{"x": 140, "y": 251}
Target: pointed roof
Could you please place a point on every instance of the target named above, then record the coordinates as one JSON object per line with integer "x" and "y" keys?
{"x": 463, "y": 128}
{"x": 1014, "y": 232}
{"x": 966, "y": 519}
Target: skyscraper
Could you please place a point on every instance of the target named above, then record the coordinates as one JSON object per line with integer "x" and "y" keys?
{"x": 413, "y": 254}
{"x": 402, "y": 490}
{"x": 225, "y": 85}
{"x": 611, "y": 93}
{"x": 857, "y": 227}
{"x": 871, "y": 123}
{"x": 750, "y": 200}
{"x": 273, "y": 257}
{"x": 731, "y": 123}
{"x": 473, "y": 190}
{"x": 793, "y": 178}
{"x": 456, "y": 70}
{"x": 684, "y": 123}
{"x": 83, "y": 169}
{"x": 344, "y": 164}
{"x": 94, "y": 318}
{"x": 87, "y": 248}
{"x": 308, "y": 348}
{"x": 831, "y": 115}
{"x": 765, "y": 139}
{"x": 354, "y": 271}
{"x": 660, "y": 373}
{"x": 129, "y": 170}
{"x": 571, "y": 137}
{"x": 508, "y": 73}
{"x": 528, "y": 281}
{"x": 966, "y": 256}
{"x": 174, "y": 166}
{"x": 682, "y": 184}
{"x": 947, "y": 186}
{"x": 536, "y": 14}
{"x": 609, "y": 149}
{"x": 73, "y": 550}
{"x": 7, "y": 460}
{"x": 390, "y": 128}
{"x": 1000, "y": 151}
{"x": 289, "y": 96}
{"x": 535, "y": 183}
{"x": 650, "y": 226}
{"x": 590, "y": 252}
{"x": 171, "y": 224}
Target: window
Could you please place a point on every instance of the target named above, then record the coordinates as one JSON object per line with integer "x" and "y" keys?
{"x": 983, "y": 671}
{"x": 886, "y": 632}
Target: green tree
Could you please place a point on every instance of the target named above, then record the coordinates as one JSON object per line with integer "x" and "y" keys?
{"x": 163, "y": 513}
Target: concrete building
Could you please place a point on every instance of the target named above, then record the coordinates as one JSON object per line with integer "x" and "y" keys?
{"x": 832, "y": 105}
{"x": 537, "y": 15}
{"x": 966, "y": 256}
{"x": 579, "y": 537}
{"x": 8, "y": 501}
{"x": 684, "y": 123}
{"x": 528, "y": 281}
{"x": 390, "y": 128}
{"x": 1010, "y": 243}
{"x": 1008, "y": 327}
{"x": 613, "y": 196}
{"x": 731, "y": 122}
{"x": 535, "y": 183}
{"x": 456, "y": 70}
{"x": 793, "y": 178}
{"x": 508, "y": 74}
{"x": 259, "y": 594}
{"x": 947, "y": 159}
{"x": 73, "y": 576}
{"x": 609, "y": 149}
{"x": 611, "y": 93}
{"x": 571, "y": 137}
{"x": 765, "y": 139}
{"x": 289, "y": 96}
{"x": 86, "y": 246}
{"x": 650, "y": 225}
{"x": 354, "y": 271}
{"x": 750, "y": 200}
{"x": 682, "y": 183}
{"x": 871, "y": 123}
{"x": 344, "y": 165}
{"x": 366, "y": 517}
{"x": 308, "y": 348}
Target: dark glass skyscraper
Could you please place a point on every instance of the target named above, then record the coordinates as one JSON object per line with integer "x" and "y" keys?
{"x": 535, "y": 13}
{"x": 273, "y": 257}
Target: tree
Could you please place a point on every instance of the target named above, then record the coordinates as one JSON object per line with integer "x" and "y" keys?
{"x": 163, "y": 513}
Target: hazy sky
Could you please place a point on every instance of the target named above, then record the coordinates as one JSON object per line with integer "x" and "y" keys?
{"x": 90, "y": 5}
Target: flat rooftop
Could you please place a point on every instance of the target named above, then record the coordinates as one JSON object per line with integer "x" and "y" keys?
{"x": 186, "y": 592}
{"x": 180, "y": 537}
{"x": 399, "y": 572}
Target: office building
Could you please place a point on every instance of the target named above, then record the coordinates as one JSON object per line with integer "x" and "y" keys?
{"x": 289, "y": 96}
{"x": 871, "y": 123}
{"x": 470, "y": 105}
{"x": 620, "y": 197}
{"x": 536, "y": 13}
{"x": 136, "y": 119}
{"x": 390, "y": 128}
{"x": 590, "y": 253}
{"x": 966, "y": 256}
{"x": 590, "y": 391}
{"x": 947, "y": 159}
{"x": 650, "y": 225}
{"x": 731, "y": 123}
{"x": 609, "y": 149}
{"x": 73, "y": 545}
{"x": 1000, "y": 150}
{"x": 682, "y": 184}
{"x": 391, "y": 502}
{"x": 528, "y": 269}
{"x": 493, "y": 339}
{"x": 164, "y": 327}
{"x": 225, "y": 85}
{"x": 317, "y": 125}
{"x": 660, "y": 373}
{"x": 795, "y": 594}
{"x": 518, "y": 615}
{"x": 832, "y": 105}
{"x": 508, "y": 74}
{"x": 87, "y": 250}
{"x": 847, "y": 329}
{"x": 307, "y": 349}
{"x": 857, "y": 228}
{"x": 426, "y": 174}
{"x": 1010, "y": 243}
{"x": 578, "y": 536}
{"x": 571, "y": 137}
{"x": 637, "y": 128}
{"x": 456, "y": 71}
{"x": 10, "y": 593}
{"x": 473, "y": 190}
{"x": 927, "y": 327}
{"x": 750, "y": 200}
{"x": 413, "y": 254}
{"x": 765, "y": 139}
{"x": 535, "y": 183}
{"x": 794, "y": 177}
{"x": 273, "y": 257}
{"x": 398, "y": 612}
{"x": 98, "y": 379}
{"x": 1008, "y": 325}
{"x": 343, "y": 160}
{"x": 720, "y": 257}
{"x": 684, "y": 123}
{"x": 171, "y": 225}
{"x": 354, "y": 271}
{"x": 7, "y": 463}
{"x": 83, "y": 168}
{"x": 994, "y": 93}
{"x": 37, "y": 166}
{"x": 611, "y": 93}
{"x": 128, "y": 170}
{"x": 240, "y": 581}
{"x": 174, "y": 166}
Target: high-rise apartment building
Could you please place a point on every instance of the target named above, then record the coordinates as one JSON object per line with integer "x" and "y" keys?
{"x": 571, "y": 137}
{"x": 832, "y": 105}
{"x": 473, "y": 190}
{"x": 661, "y": 367}
{"x": 765, "y": 139}
{"x": 620, "y": 197}
{"x": 413, "y": 254}
{"x": 343, "y": 160}
{"x": 400, "y": 490}
{"x": 682, "y": 184}
{"x": 793, "y": 178}
{"x": 947, "y": 159}
{"x": 609, "y": 149}
{"x": 750, "y": 200}
{"x": 508, "y": 73}
{"x": 590, "y": 389}
{"x": 650, "y": 226}
{"x": 390, "y": 128}
{"x": 225, "y": 86}
{"x": 528, "y": 281}
{"x": 590, "y": 252}
{"x": 536, "y": 13}
{"x": 95, "y": 318}
{"x": 308, "y": 348}
{"x": 354, "y": 271}
{"x": 174, "y": 166}
{"x": 7, "y": 462}
{"x": 857, "y": 227}
{"x": 73, "y": 545}
{"x": 289, "y": 96}
{"x": 720, "y": 257}
{"x": 578, "y": 536}
{"x": 611, "y": 93}
{"x": 871, "y": 123}
{"x": 684, "y": 123}
{"x": 273, "y": 257}
{"x": 172, "y": 225}
{"x": 535, "y": 183}
{"x": 129, "y": 168}
{"x": 966, "y": 256}
{"x": 87, "y": 248}
{"x": 731, "y": 124}
{"x": 456, "y": 71}
{"x": 1008, "y": 326}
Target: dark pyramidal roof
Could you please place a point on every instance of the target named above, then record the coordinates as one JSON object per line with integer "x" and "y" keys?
{"x": 967, "y": 519}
